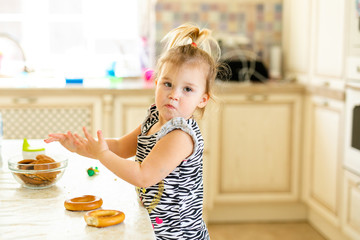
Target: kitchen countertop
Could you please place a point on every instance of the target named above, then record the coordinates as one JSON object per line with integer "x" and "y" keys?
{"x": 40, "y": 214}
{"x": 43, "y": 87}
{"x": 33, "y": 87}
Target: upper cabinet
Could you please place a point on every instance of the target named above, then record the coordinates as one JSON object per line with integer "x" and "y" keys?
{"x": 314, "y": 41}
{"x": 296, "y": 38}
{"x": 328, "y": 29}
{"x": 353, "y": 28}
{"x": 353, "y": 41}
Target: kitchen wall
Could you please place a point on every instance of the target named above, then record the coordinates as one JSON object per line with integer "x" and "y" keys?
{"x": 259, "y": 21}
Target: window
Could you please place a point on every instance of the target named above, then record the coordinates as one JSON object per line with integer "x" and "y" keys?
{"x": 78, "y": 37}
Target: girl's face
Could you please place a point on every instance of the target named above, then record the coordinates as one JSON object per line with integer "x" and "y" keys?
{"x": 180, "y": 90}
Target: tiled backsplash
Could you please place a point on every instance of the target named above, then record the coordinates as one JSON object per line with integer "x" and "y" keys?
{"x": 259, "y": 21}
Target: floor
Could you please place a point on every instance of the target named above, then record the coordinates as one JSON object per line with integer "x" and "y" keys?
{"x": 264, "y": 231}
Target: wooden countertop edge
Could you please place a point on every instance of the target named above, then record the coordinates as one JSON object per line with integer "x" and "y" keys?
{"x": 74, "y": 91}
{"x": 258, "y": 88}
{"x": 355, "y": 86}
{"x": 336, "y": 94}
{"x": 220, "y": 88}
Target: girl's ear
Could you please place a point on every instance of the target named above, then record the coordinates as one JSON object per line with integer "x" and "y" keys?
{"x": 204, "y": 100}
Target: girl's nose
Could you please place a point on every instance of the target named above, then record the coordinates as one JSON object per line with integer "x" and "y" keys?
{"x": 174, "y": 95}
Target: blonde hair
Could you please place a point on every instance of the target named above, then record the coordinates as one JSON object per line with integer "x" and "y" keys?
{"x": 187, "y": 43}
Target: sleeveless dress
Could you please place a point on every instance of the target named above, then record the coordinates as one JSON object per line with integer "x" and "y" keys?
{"x": 175, "y": 203}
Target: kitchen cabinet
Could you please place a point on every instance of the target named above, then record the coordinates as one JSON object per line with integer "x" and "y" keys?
{"x": 351, "y": 203}
{"x": 322, "y": 176}
{"x": 296, "y": 40}
{"x": 328, "y": 33}
{"x": 314, "y": 43}
{"x": 130, "y": 111}
{"x": 35, "y": 116}
{"x": 254, "y": 144}
{"x": 352, "y": 29}
{"x": 323, "y": 36}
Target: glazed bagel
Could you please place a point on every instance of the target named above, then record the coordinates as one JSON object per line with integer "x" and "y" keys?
{"x": 83, "y": 203}
{"x": 104, "y": 218}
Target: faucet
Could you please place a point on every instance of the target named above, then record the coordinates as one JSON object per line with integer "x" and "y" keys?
{"x": 17, "y": 44}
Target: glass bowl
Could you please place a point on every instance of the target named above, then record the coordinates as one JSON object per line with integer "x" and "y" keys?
{"x": 39, "y": 173}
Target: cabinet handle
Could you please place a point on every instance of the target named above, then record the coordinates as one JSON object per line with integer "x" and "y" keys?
{"x": 257, "y": 97}
{"x": 25, "y": 100}
{"x": 358, "y": 69}
{"x": 326, "y": 84}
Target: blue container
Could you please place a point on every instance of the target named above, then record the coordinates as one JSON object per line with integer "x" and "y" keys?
{"x": 74, "y": 81}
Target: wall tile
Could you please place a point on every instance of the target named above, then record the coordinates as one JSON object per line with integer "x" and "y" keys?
{"x": 260, "y": 22}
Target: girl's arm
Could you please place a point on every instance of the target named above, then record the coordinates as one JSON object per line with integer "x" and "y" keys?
{"x": 125, "y": 147}
{"x": 166, "y": 155}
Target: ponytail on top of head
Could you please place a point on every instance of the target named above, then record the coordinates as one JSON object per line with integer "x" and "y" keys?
{"x": 191, "y": 34}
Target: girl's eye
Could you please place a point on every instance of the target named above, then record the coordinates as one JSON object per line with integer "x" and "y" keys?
{"x": 167, "y": 84}
{"x": 187, "y": 89}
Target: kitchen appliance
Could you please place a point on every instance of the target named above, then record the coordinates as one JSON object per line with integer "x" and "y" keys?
{"x": 12, "y": 56}
{"x": 241, "y": 64}
{"x": 352, "y": 116}
{"x": 352, "y": 130}
{"x": 244, "y": 65}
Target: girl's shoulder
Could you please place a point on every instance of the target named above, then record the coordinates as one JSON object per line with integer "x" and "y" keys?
{"x": 189, "y": 126}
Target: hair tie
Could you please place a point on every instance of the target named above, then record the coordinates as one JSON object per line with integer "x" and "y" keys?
{"x": 194, "y": 44}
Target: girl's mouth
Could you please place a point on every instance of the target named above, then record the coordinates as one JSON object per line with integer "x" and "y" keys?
{"x": 169, "y": 106}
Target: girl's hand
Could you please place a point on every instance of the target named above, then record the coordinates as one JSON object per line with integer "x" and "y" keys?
{"x": 67, "y": 140}
{"x": 93, "y": 147}
{"x": 78, "y": 144}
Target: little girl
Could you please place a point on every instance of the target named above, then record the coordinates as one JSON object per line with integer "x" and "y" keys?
{"x": 168, "y": 145}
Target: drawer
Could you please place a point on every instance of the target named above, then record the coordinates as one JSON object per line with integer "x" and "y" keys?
{"x": 351, "y": 217}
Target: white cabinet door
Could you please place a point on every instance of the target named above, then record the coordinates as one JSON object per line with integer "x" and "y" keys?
{"x": 130, "y": 112}
{"x": 323, "y": 157}
{"x": 258, "y": 141}
{"x": 296, "y": 40}
{"x": 329, "y": 38}
{"x": 352, "y": 30}
{"x": 351, "y": 217}
{"x": 35, "y": 117}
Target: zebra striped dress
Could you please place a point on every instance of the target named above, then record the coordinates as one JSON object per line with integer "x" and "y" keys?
{"x": 174, "y": 204}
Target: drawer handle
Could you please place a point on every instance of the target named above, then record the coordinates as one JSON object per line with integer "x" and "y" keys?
{"x": 25, "y": 100}
{"x": 257, "y": 98}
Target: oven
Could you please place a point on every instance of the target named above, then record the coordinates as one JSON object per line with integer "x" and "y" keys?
{"x": 352, "y": 118}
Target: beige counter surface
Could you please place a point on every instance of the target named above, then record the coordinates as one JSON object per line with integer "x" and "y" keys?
{"x": 40, "y": 214}
{"x": 139, "y": 87}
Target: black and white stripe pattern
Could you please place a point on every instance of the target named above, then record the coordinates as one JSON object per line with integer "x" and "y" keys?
{"x": 175, "y": 204}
